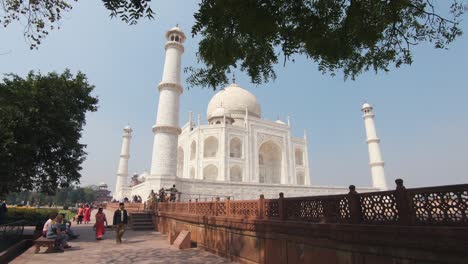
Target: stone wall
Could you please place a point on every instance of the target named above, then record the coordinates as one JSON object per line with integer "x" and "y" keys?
{"x": 401, "y": 226}
{"x": 264, "y": 241}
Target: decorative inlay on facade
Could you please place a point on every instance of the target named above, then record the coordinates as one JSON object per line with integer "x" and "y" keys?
{"x": 174, "y": 44}
{"x": 166, "y": 85}
{"x": 166, "y": 129}
{"x": 262, "y": 138}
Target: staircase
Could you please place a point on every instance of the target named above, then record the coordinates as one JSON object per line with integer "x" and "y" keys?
{"x": 141, "y": 221}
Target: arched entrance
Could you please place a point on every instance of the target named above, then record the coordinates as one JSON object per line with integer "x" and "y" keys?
{"x": 269, "y": 163}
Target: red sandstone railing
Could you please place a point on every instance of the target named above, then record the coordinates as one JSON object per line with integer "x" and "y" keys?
{"x": 441, "y": 205}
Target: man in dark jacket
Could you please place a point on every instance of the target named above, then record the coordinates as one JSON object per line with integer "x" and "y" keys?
{"x": 120, "y": 220}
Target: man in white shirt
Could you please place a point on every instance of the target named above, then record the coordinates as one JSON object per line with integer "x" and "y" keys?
{"x": 48, "y": 222}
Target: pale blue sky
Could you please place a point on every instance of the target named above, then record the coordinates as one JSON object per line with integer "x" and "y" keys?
{"x": 421, "y": 110}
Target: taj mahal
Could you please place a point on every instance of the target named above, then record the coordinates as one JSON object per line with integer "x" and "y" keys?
{"x": 234, "y": 153}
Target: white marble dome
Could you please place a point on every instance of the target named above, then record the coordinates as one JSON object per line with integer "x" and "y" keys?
{"x": 234, "y": 100}
{"x": 366, "y": 105}
{"x": 142, "y": 177}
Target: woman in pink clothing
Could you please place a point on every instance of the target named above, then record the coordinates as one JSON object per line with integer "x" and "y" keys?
{"x": 100, "y": 226}
{"x": 87, "y": 214}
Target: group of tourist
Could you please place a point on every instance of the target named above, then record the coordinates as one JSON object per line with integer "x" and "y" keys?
{"x": 163, "y": 196}
{"x": 58, "y": 228}
{"x": 83, "y": 214}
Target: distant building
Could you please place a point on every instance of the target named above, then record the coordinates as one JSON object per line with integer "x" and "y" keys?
{"x": 103, "y": 195}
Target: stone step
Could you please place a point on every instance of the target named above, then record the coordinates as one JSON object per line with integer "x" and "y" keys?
{"x": 143, "y": 228}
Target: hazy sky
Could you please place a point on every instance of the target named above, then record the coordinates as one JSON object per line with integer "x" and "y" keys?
{"x": 421, "y": 110}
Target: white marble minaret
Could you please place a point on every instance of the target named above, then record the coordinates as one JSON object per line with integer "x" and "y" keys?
{"x": 166, "y": 130}
{"x": 373, "y": 142}
{"x": 122, "y": 172}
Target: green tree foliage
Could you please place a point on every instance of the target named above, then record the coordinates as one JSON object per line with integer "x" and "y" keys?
{"x": 352, "y": 36}
{"x": 63, "y": 196}
{"x": 42, "y": 117}
{"x": 348, "y": 35}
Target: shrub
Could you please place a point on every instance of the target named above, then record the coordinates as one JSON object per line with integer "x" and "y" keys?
{"x": 33, "y": 216}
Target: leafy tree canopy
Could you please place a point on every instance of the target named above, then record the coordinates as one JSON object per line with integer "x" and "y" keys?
{"x": 41, "y": 119}
{"x": 352, "y": 36}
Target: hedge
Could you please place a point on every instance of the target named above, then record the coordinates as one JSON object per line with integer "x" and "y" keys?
{"x": 33, "y": 216}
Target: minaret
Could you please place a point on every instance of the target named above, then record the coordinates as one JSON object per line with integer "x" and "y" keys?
{"x": 373, "y": 142}
{"x": 166, "y": 130}
{"x": 122, "y": 171}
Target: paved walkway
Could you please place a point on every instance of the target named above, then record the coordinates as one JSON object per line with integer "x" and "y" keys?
{"x": 137, "y": 247}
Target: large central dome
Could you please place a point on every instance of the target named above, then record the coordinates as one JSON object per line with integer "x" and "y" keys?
{"x": 234, "y": 100}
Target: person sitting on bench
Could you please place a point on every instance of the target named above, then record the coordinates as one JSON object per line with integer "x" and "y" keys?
{"x": 67, "y": 228}
{"x": 48, "y": 222}
{"x": 57, "y": 232}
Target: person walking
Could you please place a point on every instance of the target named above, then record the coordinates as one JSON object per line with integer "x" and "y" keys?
{"x": 80, "y": 214}
{"x": 100, "y": 226}
{"x": 120, "y": 220}
{"x": 87, "y": 214}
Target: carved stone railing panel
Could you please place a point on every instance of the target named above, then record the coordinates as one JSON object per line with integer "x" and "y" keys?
{"x": 305, "y": 209}
{"x": 221, "y": 209}
{"x": 206, "y": 208}
{"x": 440, "y": 207}
{"x": 182, "y": 207}
{"x": 271, "y": 208}
{"x": 344, "y": 215}
{"x": 245, "y": 209}
{"x": 378, "y": 208}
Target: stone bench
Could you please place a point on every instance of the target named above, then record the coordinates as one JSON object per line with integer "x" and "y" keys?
{"x": 44, "y": 242}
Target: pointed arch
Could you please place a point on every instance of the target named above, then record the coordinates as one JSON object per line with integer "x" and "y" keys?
{"x": 235, "y": 173}
{"x": 193, "y": 150}
{"x": 270, "y": 162}
{"x": 300, "y": 179}
{"x": 210, "y": 173}
{"x": 235, "y": 148}
{"x": 180, "y": 162}
{"x": 210, "y": 148}
{"x": 192, "y": 172}
{"x": 299, "y": 157}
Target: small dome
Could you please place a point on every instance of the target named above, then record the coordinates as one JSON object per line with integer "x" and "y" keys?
{"x": 127, "y": 128}
{"x": 280, "y": 122}
{"x": 142, "y": 177}
{"x": 234, "y": 100}
{"x": 366, "y": 105}
{"x": 176, "y": 30}
{"x": 102, "y": 184}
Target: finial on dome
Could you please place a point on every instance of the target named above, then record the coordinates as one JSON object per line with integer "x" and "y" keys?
{"x": 233, "y": 77}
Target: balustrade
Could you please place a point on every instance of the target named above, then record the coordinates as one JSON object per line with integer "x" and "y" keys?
{"x": 441, "y": 205}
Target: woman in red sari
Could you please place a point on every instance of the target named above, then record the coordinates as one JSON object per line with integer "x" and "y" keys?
{"x": 100, "y": 227}
{"x": 87, "y": 214}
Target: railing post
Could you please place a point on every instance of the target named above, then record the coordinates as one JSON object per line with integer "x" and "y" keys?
{"x": 228, "y": 206}
{"x": 281, "y": 209}
{"x": 188, "y": 206}
{"x": 196, "y": 206}
{"x": 216, "y": 206}
{"x": 403, "y": 204}
{"x": 354, "y": 205}
{"x": 178, "y": 196}
{"x": 261, "y": 205}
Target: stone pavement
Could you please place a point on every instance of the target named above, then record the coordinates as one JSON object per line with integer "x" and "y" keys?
{"x": 137, "y": 247}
